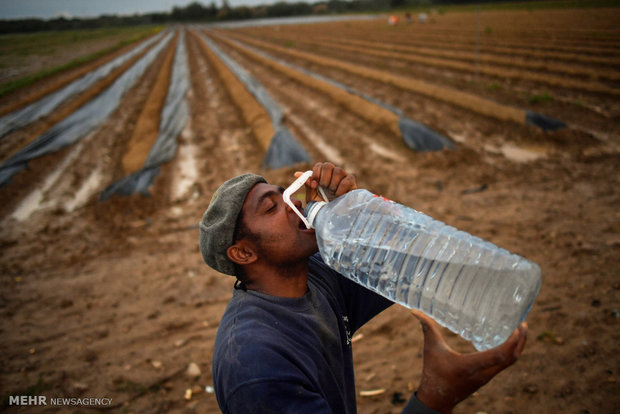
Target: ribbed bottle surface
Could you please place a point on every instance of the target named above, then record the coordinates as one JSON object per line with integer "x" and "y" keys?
{"x": 476, "y": 289}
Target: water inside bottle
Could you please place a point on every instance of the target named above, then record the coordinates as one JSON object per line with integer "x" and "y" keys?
{"x": 449, "y": 292}
{"x": 466, "y": 284}
{"x": 476, "y": 289}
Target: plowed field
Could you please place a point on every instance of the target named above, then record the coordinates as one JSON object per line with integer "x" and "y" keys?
{"x": 112, "y": 299}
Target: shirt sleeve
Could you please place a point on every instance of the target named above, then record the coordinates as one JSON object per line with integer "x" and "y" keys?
{"x": 415, "y": 406}
{"x": 285, "y": 397}
{"x": 360, "y": 304}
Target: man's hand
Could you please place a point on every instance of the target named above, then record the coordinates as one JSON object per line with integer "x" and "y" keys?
{"x": 334, "y": 180}
{"x": 449, "y": 377}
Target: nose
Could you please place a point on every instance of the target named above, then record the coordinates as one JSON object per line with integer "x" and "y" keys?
{"x": 296, "y": 203}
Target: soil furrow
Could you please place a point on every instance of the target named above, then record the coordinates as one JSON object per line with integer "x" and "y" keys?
{"x": 218, "y": 129}
{"x": 254, "y": 114}
{"x": 590, "y": 84}
{"x": 147, "y": 126}
{"x": 594, "y": 113}
{"x": 20, "y": 138}
{"x": 414, "y": 37}
{"x": 455, "y": 97}
{"x": 405, "y": 52}
{"x": 103, "y": 150}
{"x": 371, "y": 112}
{"x": 26, "y": 96}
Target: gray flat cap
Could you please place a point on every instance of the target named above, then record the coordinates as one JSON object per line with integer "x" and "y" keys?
{"x": 219, "y": 220}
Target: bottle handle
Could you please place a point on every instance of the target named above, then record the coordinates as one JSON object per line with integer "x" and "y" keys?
{"x": 296, "y": 185}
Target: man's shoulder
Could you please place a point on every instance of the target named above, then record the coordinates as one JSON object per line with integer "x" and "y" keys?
{"x": 244, "y": 322}
{"x": 249, "y": 318}
{"x": 251, "y": 344}
{"x": 243, "y": 314}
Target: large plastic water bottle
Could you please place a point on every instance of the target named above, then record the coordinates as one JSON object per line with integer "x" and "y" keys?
{"x": 474, "y": 288}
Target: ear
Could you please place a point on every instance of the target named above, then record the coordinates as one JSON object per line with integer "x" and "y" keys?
{"x": 241, "y": 254}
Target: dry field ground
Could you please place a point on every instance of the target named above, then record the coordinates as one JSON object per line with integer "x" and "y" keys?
{"x": 112, "y": 299}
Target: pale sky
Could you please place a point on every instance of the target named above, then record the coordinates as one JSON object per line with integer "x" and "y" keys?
{"x": 16, "y": 9}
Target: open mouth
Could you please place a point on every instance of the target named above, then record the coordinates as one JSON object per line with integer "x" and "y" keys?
{"x": 302, "y": 226}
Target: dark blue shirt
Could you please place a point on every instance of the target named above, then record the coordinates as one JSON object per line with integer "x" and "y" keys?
{"x": 292, "y": 355}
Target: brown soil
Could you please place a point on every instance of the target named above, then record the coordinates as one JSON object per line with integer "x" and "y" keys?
{"x": 113, "y": 300}
{"x": 13, "y": 142}
{"x": 147, "y": 128}
{"x": 29, "y": 94}
{"x": 592, "y": 112}
{"x": 353, "y": 103}
{"x": 469, "y": 101}
{"x": 450, "y": 61}
{"x": 253, "y": 113}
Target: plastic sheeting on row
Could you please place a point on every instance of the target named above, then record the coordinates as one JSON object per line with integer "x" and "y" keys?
{"x": 174, "y": 115}
{"x": 416, "y": 135}
{"x": 419, "y": 137}
{"x": 46, "y": 105}
{"x": 544, "y": 122}
{"x": 284, "y": 149}
{"x": 82, "y": 121}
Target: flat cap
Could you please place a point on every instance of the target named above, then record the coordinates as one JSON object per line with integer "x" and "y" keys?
{"x": 218, "y": 223}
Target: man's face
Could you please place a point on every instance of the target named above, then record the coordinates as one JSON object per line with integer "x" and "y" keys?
{"x": 282, "y": 237}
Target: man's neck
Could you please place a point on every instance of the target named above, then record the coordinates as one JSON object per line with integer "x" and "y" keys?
{"x": 290, "y": 282}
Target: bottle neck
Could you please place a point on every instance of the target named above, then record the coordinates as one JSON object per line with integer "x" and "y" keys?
{"x": 312, "y": 209}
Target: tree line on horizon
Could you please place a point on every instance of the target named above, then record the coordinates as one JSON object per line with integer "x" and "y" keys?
{"x": 197, "y": 12}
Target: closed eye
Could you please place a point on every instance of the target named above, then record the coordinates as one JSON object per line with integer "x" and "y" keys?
{"x": 270, "y": 196}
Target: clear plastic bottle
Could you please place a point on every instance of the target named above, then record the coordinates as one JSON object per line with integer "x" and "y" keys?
{"x": 476, "y": 289}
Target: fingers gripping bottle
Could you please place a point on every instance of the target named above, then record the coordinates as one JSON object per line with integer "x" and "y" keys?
{"x": 474, "y": 288}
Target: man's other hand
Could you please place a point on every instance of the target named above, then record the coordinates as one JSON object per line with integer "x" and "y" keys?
{"x": 449, "y": 377}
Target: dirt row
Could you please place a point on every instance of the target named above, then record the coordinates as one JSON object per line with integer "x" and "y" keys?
{"x": 341, "y": 70}
{"x": 147, "y": 127}
{"x": 448, "y": 62}
{"x": 470, "y": 102}
{"x": 311, "y": 113}
{"x": 107, "y": 145}
{"x": 592, "y": 113}
{"x": 585, "y": 77}
{"x": 454, "y": 49}
{"x": 524, "y": 54}
{"x": 440, "y": 114}
{"x": 469, "y": 57}
{"x": 418, "y": 34}
{"x": 354, "y": 104}
{"x": 13, "y": 142}
{"x": 254, "y": 114}
{"x": 559, "y": 26}
{"x": 43, "y": 87}
{"x": 526, "y": 40}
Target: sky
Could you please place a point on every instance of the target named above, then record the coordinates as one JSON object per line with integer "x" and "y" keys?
{"x": 17, "y": 9}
